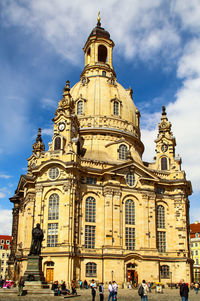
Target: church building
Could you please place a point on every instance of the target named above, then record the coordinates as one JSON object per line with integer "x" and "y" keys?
{"x": 105, "y": 213}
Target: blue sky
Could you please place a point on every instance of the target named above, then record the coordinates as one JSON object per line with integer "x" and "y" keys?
{"x": 157, "y": 53}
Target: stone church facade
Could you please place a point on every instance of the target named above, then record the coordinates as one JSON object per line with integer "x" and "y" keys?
{"x": 105, "y": 213}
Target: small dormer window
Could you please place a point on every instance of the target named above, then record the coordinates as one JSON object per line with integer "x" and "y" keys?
{"x": 116, "y": 108}
{"x": 123, "y": 152}
{"x": 80, "y": 107}
{"x": 103, "y": 73}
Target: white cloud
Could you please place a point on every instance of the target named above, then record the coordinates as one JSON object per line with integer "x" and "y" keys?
{"x": 184, "y": 115}
{"x": 5, "y": 176}
{"x": 5, "y": 221}
{"x": 48, "y": 103}
{"x": 48, "y": 131}
{"x": 2, "y": 195}
{"x": 138, "y": 27}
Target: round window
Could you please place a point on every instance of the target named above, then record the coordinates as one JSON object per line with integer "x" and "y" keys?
{"x": 130, "y": 179}
{"x": 53, "y": 173}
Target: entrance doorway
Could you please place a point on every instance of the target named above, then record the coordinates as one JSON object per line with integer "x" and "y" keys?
{"x": 49, "y": 275}
{"x": 132, "y": 275}
{"x": 49, "y": 271}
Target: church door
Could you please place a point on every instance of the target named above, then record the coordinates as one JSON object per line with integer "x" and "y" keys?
{"x": 49, "y": 275}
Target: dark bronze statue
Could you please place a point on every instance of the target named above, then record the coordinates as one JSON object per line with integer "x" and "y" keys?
{"x": 37, "y": 238}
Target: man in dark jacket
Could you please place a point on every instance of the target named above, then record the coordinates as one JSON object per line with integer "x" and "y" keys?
{"x": 184, "y": 290}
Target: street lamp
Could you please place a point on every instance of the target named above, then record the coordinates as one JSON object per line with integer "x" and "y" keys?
{"x": 171, "y": 279}
{"x": 112, "y": 272}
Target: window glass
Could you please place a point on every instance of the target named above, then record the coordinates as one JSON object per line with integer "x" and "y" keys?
{"x": 161, "y": 241}
{"x": 52, "y": 235}
{"x": 57, "y": 143}
{"x": 160, "y": 217}
{"x": 130, "y": 238}
{"x": 53, "y": 173}
{"x": 53, "y": 206}
{"x": 130, "y": 179}
{"x": 164, "y": 271}
{"x": 123, "y": 152}
{"x": 80, "y": 107}
{"x": 89, "y": 237}
{"x": 116, "y": 108}
{"x": 90, "y": 210}
{"x": 91, "y": 269}
{"x": 130, "y": 212}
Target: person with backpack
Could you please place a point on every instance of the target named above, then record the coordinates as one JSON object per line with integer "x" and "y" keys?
{"x": 143, "y": 291}
{"x": 184, "y": 290}
{"x": 101, "y": 295}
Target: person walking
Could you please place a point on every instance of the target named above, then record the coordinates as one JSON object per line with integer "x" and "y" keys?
{"x": 184, "y": 290}
{"x": 143, "y": 291}
{"x": 20, "y": 286}
{"x": 110, "y": 290}
{"x": 115, "y": 289}
{"x": 93, "y": 289}
{"x": 196, "y": 287}
{"x": 101, "y": 295}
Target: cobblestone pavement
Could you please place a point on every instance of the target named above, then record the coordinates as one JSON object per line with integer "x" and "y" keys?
{"x": 123, "y": 295}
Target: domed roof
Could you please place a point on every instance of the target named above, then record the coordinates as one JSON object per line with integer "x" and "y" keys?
{"x": 100, "y": 32}
{"x": 99, "y": 94}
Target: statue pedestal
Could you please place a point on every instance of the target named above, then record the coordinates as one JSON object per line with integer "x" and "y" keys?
{"x": 34, "y": 269}
{"x": 34, "y": 277}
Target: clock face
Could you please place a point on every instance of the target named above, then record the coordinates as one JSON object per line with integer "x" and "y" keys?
{"x": 164, "y": 148}
{"x": 61, "y": 126}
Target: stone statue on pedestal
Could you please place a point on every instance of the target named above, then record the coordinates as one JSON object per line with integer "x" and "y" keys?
{"x": 37, "y": 238}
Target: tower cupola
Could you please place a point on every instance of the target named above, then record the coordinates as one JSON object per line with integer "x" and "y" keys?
{"x": 98, "y": 52}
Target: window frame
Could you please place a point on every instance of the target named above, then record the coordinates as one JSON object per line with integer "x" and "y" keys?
{"x": 53, "y": 207}
{"x": 90, "y": 233}
{"x": 123, "y": 152}
{"x": 80, "y": 110}
{"x": 91, "y": 269}
{"x": 52, "y": 239}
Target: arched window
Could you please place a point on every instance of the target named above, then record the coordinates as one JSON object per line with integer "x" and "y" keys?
{"x": 116, "y": 108}
{"x": 129, "y": 212}
{"x": 80, "y": 107}
{"x": 160, "y": 217}
{"x": 164, "y": 271}
{"x": 57, "y": 143}
{"x": 53, "y": 206}
{"x": 123, "y": 152}
{"x": 102, "y": 53}
{"x": 91, "y": 269}
{"x": 88, "y": 56}
{"x": 90, "y": 210}
{"x": 130, "y": 224}
{"x": 164, "y": 163}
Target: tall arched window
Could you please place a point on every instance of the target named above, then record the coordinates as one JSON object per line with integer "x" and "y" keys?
{"x": 161, "y": 233}
{"x": 102, "y": 53}
{"x": 90, "y": 210}
{"x": 116, "y": 108}
{"x": 80, "y": 107}
{"x": 53, "y": 206}
{"x": 123, "y": 152}
{"x": 160, "y": 217}
{"x": 91, "y": 269}
{"x": 129, "y": 212}
{"x": 164, "y": 163}
{"x": 57, "y": 143}
{"x": 130, "y": 224}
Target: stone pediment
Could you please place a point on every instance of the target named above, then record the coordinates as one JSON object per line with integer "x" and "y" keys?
{"x": 123, "y": 169}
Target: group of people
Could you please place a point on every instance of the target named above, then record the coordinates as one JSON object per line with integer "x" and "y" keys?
{"x": 60, "y": 288}
{"x": 112, "y": 288}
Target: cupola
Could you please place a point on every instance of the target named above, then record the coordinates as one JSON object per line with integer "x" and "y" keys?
{"x": 98, "y": 52}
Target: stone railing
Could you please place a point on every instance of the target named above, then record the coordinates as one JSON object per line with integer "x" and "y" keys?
{"x": 109, "y": 122}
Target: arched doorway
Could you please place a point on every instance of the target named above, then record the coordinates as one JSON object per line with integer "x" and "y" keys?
{"x": 131, "y": 274}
